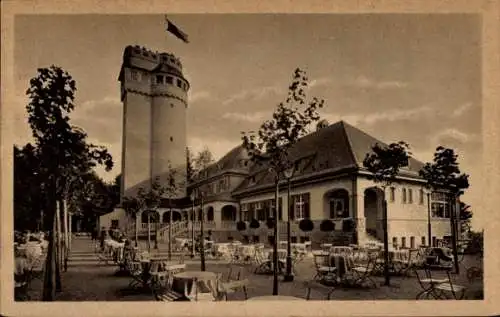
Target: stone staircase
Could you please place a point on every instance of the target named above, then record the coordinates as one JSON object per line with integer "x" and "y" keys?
{"x": 178, "y": 228}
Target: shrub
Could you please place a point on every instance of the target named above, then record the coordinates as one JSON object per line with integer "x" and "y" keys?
{"x": 254, "y": 224}
{"x": 306, "y": 225}
{"x": 348, "y": 225}
{"x": 327, "y": 225}
{"x": 241, "y": 226}
{"x": 270, "y": 223}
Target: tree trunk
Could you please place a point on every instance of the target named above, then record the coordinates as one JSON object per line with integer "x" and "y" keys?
{"x": 49, "y": 281}
{"x": 386, "y": 244}
{"x": 149, "y": 233}
{"x": 66, "y": 239}
{"x": 136, "y": 230}
{"x": 170, "y": 235}
{"x": 58, "y": 246}
{"x": 454, "y": 234}
{"x": 275, "y": 244}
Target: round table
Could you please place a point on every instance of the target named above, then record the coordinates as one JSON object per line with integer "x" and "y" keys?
{"x": 277, "y": 297}
{"x": 206, "y": 282}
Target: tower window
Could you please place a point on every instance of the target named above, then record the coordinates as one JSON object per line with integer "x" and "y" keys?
{"x": 171, "y": 139}
{"x": 159, "y": 79}
{"x": 179, "y": 83}
{"x": 134, "y": 75}
{"x": 169, "y": 80}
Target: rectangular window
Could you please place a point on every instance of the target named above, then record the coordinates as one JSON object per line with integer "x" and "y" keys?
{"x": 434, "y": 241}
{"x": 422, "y": 241}
{"x": 179, "y": 83}
{"x": 159, "y": 79}
{"x": 403, "y": 242}
{"x": 394, "y": 242}
{"x": 114, "y": 224}
{"x": 273, "y": 209}
{"x": 169, "y": 80}
{"x": 421, "y": 196}
{"x": 301, "y": 206}
{"x": 403, "y": 198}
{"x": 392, "y": 194}
{"x": 410, "y": 196}
{"x": 440, "y": 206}
{"x": 304, "y": 239}
{"x": 293, "y": 239}
{"x": 412, "y": 242}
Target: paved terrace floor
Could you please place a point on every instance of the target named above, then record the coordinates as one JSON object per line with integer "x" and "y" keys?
{"x": 87, "y": 280}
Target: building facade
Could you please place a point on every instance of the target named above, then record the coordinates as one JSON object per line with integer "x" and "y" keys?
{"x": 329, "y": 180}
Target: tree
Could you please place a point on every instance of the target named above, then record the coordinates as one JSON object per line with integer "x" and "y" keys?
{"x": 149, "y": 199}
{"x": 170, "y": 190}
{"x": 444, "y": 174}
{"x": 29, "y": 200}
{"x": 63, "y": 150}
{"x": 465, "y": 215}
{"x": 270, "y": 145}
{"x": 384, "y": 163}
{"x": 190, "y": 169}
{"x": 197, "y": 163}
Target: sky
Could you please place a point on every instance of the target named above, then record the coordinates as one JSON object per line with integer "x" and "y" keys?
{"x": 411, "y": 77}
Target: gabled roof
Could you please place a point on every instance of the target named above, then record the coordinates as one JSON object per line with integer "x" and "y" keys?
{"x": 338, "y": 147}
{"x": 234, "y": 160}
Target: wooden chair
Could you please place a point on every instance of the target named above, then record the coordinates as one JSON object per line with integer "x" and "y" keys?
{"x": 437, "y": 288}
{"x": 162, "y": 288}
{"x": 135, "y": 270}
{"x": 323, "y": 270}
{"x": 321, "y": 288}
{"x": 231, "y": 287}
{"x": 21, "y": 286}
{"x": 362, "y": 273}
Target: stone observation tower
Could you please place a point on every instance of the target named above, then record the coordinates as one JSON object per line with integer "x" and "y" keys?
{"x": 154, "y": 96}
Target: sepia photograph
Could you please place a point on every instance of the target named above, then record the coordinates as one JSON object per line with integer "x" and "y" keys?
{"x": 233, "y": 157}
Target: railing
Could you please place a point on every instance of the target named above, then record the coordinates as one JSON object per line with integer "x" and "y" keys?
{"x": 176, "y": 227}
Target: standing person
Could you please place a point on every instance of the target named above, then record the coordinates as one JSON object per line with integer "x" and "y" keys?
{"x": 102, "y": 238}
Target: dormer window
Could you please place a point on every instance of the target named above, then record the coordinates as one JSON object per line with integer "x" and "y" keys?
{"x": 179, "y": 83}
{"x": 169, "y": 80}
{"x": 159, "y": 79}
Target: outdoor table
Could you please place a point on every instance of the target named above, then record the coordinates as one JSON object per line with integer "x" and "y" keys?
{"x": 326, "y": 246}
{"x": 277, "y": 297}
{"x": 246, "y": 251}
{"x": 205, "y": 283}
{"x": 341, "y": 263}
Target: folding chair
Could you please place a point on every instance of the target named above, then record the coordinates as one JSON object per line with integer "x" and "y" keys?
{"x": 428, "y": 284}
{"x": 321, "y": 288}
{"x": 363, "y": 273}
{"x": 162, "y": 288}
{"x": 231, "y": 287}
{"x": 135, "y": 270}
{"x": 262, "y": 264}
{"x": 323, "y": 269}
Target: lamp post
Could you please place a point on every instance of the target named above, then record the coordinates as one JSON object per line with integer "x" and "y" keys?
{"x": 289, "y": 274}
{"x": 192, "y": 224}
{"x": 275, "y": 244}
{"x": 429, "y": 227}
{"x": 202, "y": 243}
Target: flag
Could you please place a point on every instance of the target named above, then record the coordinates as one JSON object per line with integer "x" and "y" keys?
{"x": 172, "y": 28}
